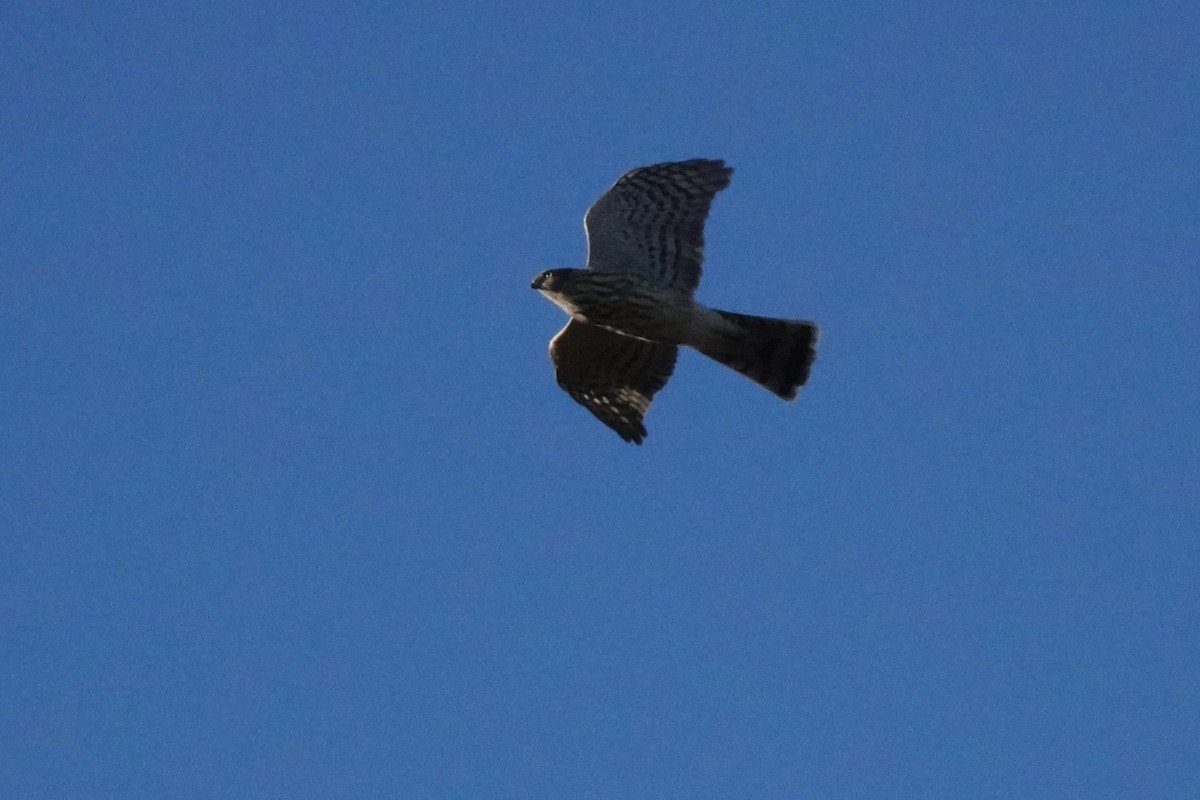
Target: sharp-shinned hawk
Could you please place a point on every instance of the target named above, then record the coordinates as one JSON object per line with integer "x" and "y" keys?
{"x": 632, "y": 306}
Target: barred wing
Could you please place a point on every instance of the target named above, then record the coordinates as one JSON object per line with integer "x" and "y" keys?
{"x": 611, "y": 375}
{"x": 651, "y": 221}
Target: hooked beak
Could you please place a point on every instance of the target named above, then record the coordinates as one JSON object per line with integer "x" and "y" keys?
{"x": 537, "y": 283}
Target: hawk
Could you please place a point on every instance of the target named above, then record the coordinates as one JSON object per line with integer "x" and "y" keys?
{"x": 632, "y": 307}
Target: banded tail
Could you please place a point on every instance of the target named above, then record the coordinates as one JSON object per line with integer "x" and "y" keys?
{"x": 774, "y": 353}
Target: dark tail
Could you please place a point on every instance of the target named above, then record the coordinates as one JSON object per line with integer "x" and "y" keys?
{"x": 774, "y": 353}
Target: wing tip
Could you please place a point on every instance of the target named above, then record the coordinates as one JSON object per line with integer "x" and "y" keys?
{"x": 635, "y": 437}
{"x": 715, "y": 165}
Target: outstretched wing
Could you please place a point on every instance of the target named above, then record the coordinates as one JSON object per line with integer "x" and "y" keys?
{"x": 651, "y": 221}
{"x": 611, "y": 375}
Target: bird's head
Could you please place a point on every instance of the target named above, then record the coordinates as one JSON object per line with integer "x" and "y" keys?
{"x": 552, "y": 280}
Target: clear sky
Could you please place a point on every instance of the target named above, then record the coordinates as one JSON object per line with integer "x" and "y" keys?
{"x": 291, "y": 507}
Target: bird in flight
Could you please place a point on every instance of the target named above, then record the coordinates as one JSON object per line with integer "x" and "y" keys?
{"x": 632, "y": 306}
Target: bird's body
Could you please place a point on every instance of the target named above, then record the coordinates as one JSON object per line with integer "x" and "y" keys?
{"x": 624, "y": 304}
{"x": 633, "y": 305}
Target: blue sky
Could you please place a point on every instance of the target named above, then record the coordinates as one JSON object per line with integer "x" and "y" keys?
{"x": 292, "y": 506}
